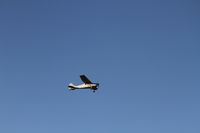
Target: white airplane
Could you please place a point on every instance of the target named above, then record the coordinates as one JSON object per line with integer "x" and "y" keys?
{"x": 87, "y": 84}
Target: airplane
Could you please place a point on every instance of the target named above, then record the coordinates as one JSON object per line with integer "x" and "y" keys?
{"x": 87, "y": 84}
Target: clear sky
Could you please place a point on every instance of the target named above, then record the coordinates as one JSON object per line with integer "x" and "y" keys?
{"x": 145, "y": 55}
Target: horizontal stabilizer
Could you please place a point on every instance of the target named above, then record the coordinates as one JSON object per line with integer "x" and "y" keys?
{"x": 71, "y": 86}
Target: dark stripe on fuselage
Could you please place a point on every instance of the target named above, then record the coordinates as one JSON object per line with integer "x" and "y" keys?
{"x": 71, "y": 86}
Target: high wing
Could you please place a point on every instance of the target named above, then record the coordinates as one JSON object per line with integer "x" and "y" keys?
{"x": 85, "y": 79}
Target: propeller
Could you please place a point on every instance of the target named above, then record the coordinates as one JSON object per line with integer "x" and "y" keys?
{"x": 97, "y": 85}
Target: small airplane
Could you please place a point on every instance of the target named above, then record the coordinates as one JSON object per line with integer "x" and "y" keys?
{"x": 87, "y": 84}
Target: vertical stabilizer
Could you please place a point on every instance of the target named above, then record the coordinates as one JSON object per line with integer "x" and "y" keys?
{"x": 71, "y": 86}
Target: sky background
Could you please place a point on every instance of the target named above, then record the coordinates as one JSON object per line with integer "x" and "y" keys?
{"x": 145, "y": 55}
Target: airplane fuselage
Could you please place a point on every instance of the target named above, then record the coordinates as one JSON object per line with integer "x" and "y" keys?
{"x": 92, "y": 86}
{"x": 82, "y": 86}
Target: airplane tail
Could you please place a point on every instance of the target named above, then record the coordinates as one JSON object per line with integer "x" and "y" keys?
{"x": 71, "y": 86}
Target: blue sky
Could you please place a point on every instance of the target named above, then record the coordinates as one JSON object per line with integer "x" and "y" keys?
{"x": 145, "y": 54}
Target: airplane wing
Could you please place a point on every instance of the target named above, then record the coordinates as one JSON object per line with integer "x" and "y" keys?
{"x": 85, "y": 79}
